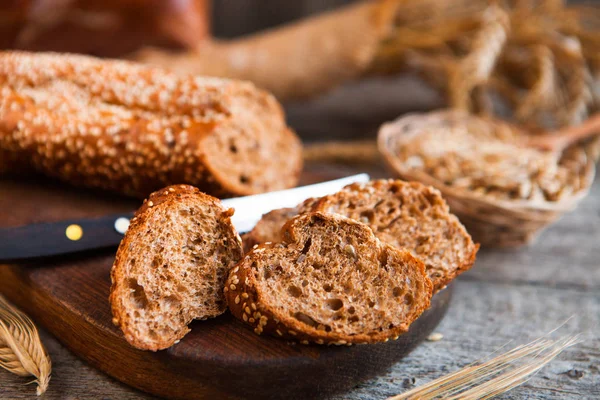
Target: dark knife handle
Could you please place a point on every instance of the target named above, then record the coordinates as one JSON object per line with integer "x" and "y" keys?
{"x": 64, "y": 237}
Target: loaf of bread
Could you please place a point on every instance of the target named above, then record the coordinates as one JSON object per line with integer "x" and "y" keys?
{"x": 134, "y": 129}
{"x": 171, "y": 266}
{"x": 107, "y": 28}
{"x": 329, "y": 280}
{"x": 405, "y": 215}
{"x": 297, "y": 60}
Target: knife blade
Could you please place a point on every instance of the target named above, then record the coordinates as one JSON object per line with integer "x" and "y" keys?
{"x": 72, "y": 236}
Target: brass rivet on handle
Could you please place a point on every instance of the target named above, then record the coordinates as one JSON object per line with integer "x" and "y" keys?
{"x": 74, "y": 232}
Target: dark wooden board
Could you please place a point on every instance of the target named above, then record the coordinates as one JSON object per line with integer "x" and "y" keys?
{"x": 219, "y": 358}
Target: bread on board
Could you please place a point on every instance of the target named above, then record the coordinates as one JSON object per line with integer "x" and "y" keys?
{"x": 329, "y": 281}
{"x": 134, "y": 129}
{"x": 406, "y": 215}
{"x": 171, "y": 266}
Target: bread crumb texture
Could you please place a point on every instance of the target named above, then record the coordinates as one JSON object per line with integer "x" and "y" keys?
{"x": 330, "y": 281}
{"x": 171, "y": 266}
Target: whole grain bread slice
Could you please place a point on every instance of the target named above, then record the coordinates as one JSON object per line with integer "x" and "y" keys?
{"x": 405, "y": 215}
{"x": 171, "y": 266}
{"x": 330, "y": 281}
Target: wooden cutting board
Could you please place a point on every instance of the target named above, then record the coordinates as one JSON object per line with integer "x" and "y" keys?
{"x": 219, "y": 358}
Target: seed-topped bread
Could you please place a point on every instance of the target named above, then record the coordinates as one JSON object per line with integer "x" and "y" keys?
{"x": 404, "y": 214}
{"x": 133, "y": 129}
{"x": 171, "y": 266}
{"x": 330, "y": 280}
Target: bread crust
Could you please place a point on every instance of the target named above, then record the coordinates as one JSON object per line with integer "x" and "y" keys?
{"x": 107, "y": 28}
{"x": 171, "y": 194}
{"x": 133, "y": 129}
{"x": 247, "y": 304}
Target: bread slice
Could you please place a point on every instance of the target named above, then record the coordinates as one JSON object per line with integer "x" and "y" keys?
{"x": 406, "y": 215}
{"x": 329, "y": 281}
{"x": 171, "y": 266}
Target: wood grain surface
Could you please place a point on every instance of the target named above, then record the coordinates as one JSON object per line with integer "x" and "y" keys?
{"x": 514, "y": 295}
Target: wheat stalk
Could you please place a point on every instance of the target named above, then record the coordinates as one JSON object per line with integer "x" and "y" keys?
{"x": 478, "y": 65}
{"x": 498, "y": 375}
{"x": 575, "y": 73}
{"x": 465, "y": 48}
{"x": 21, "y": 350}
{"x": 541, "y": 91}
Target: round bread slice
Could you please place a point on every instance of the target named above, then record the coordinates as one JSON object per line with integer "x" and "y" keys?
{"x": 406, "y": 215}
{"x": 329, "y": 281}
{"x": 171, "y": 266}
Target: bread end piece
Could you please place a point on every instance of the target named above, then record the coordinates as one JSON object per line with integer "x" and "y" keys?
{"x": 226, "y": 137}
{"x": 171, "y": 266}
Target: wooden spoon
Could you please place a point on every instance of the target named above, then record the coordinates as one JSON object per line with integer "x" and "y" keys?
{"x": 559, "y": 140}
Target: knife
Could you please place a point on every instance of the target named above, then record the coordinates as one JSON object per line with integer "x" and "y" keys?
{"x": 72, "y": 236}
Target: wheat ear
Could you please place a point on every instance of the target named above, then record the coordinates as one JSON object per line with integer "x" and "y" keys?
{"x": 21, "y": 350}
{"x": 498, "y": 375}
{"x": 478, "y": 65}
{"x": 540, "y": 94}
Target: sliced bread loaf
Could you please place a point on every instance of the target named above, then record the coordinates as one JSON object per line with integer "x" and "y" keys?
{"x": 171, "y": 266}
{"x": 404, "y": 214}
{"x": 129, "y": 128}
{"x": 331, "y": 281}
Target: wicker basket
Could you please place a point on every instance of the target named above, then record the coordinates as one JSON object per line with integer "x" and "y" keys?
{"x": 494, "y": 222}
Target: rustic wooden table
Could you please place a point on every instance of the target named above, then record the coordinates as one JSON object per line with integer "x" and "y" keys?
{"x": 510, "y": 295}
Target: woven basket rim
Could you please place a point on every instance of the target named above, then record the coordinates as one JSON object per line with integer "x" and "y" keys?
{"x": 523, "y": 209}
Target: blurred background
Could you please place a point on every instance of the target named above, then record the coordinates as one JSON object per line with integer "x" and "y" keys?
{"x": 351, "y": 107}
{"x": 356, "y": 109}
{"x": 239, "y": 17}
